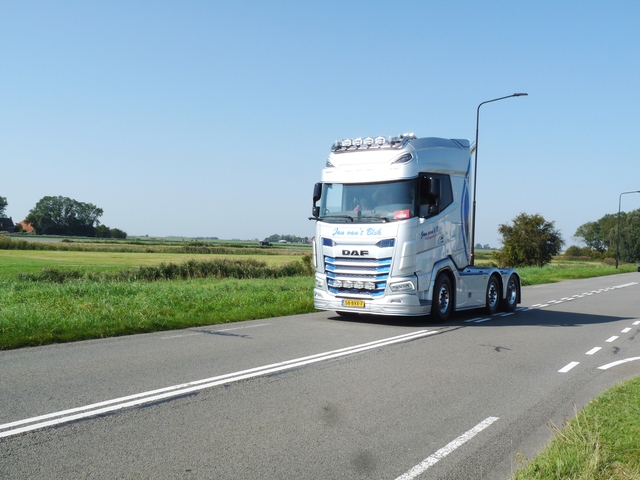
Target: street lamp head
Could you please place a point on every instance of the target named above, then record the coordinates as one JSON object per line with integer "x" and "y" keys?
{"x": 520, "y": 94}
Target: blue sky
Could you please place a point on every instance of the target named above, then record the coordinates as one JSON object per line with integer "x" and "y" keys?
{"x": 214, "y": 118}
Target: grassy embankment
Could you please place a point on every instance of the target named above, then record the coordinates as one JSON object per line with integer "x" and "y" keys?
{"x": 82, "y": 291}
{"x": 601, "y": 443}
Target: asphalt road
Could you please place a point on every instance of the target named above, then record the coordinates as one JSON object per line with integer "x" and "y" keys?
{"x": 318, "y": 396}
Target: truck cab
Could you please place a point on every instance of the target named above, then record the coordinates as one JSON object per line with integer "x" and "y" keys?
{"x": 392, "y": 231}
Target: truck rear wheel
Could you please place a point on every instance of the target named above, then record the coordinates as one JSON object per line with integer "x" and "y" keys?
{"x": 510, "y": 301}
{"x": 442, "y": 304}
{"x": 493, "y": 295}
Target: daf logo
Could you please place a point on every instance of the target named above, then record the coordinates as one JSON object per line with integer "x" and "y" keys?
{"x": 356, "y": 253}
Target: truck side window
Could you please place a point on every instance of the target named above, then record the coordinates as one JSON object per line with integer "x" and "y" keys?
{"x": 434, "y": 202}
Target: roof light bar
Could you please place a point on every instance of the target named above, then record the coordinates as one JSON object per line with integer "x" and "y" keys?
{"x": 359, "y": 143}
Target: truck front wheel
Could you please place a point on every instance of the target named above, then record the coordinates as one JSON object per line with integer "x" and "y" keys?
{"x": 442, "y": 304}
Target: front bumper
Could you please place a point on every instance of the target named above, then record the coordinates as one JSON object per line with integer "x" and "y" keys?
{"x": 397, "y": 305}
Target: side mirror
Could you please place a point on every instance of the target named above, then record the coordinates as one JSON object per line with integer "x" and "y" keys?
{"x": 433, "y": 189}
{"x": 429, "y": 196}
{"x": 429, "y": 190}
{"x": 317, "y": 194}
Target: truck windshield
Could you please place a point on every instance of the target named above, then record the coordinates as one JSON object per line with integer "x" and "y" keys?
{"x": 368, "y": 202}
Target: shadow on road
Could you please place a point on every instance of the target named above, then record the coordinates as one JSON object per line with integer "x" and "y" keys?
{"x": 475, "y": 319}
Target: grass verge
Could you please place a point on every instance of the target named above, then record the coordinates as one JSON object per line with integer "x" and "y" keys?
{"x": 38, "y": 313}
{"x": 601, "y": 443}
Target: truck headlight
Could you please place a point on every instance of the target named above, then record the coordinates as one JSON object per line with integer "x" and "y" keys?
{"x": 402, "y": 287}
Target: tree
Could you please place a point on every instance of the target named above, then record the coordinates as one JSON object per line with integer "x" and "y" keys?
{"x": 3, "y": 205}
{"x": 530, "y": 241}
{"x": 629, "y": 248}
{"x": 102, "y": 231}
{"x": 597, "y": 235}
{"x": 64, "y": 216}
{"x": 602, "y": 235}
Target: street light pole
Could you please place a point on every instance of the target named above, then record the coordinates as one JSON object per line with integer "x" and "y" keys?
{"x": 618, "y": 235}
{"x": 475, "y": 171}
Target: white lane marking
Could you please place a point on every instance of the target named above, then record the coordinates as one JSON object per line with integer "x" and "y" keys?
{"x": 215, "y": 331}
{"x": 472, "y": 320}
{"x": 568, "y": 299}
{"x": 626, "y": 330}
{"x": 446, "y": 450}
{"x": 568, "y": 367}
{"x": 611, "y": 339}
{"x": 637, "y": 322}
{"x": 99, "y": 408}
{"x": 619, "y": 362}
{"x": 507, "y": 314}
{"x": 593, "y": 350}
{"x": 482, "y": 320}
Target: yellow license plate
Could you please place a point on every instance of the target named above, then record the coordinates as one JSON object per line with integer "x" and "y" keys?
{"x": 353, "y": 303}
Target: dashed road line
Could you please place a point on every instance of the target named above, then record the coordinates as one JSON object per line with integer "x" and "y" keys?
{"x": 568, "y": 367}
{"x": 585, "y": 294}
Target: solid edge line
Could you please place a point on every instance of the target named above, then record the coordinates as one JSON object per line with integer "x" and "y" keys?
{"x": 446, "y": 450}
{"x": 182, "y": 389}
{"x": 619, "y": 362}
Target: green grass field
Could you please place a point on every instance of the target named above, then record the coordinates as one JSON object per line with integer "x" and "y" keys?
{"x": 13, "y": 262}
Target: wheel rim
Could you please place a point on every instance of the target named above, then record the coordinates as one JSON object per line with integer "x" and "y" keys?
{"x": 512, "y": 292}
{"x": 492, "y": 294}
{"x": 443, "y": 299}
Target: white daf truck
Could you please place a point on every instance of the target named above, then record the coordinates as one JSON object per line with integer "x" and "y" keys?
{"x": 393, "y": 231}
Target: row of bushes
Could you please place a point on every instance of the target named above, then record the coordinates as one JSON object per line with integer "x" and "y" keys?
{"x": 585, "y": 253}
{"x": 224, "y": 268}
{"x": 7, "y": 243}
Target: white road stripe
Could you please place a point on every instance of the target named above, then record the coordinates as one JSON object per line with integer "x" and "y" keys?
{"x": 637, "y": 322}
{"x": 619, "y": 362}
{"x": 99, "y": 408}
{"x": 593, "y": 350}
{"x": 611, "y": 339}
{"x": 626, "y": 330}
{"x": 568, "y": 367}
{"x": 446, "y": 450}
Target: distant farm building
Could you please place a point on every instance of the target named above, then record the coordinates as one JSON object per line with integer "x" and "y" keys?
{"x": 6, "y": 225}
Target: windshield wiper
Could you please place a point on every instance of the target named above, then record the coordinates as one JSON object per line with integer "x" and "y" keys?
{"x": 384, "y": 219}
{"x": 329, "y": 217}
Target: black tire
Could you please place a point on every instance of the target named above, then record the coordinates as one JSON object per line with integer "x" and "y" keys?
{"x": 493, "y": 296}
{"x": 512, "y": 294}
{"x": 442, "y": 304}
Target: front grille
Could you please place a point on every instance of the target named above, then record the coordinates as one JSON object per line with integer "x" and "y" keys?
{"x": 357, "y": 276}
